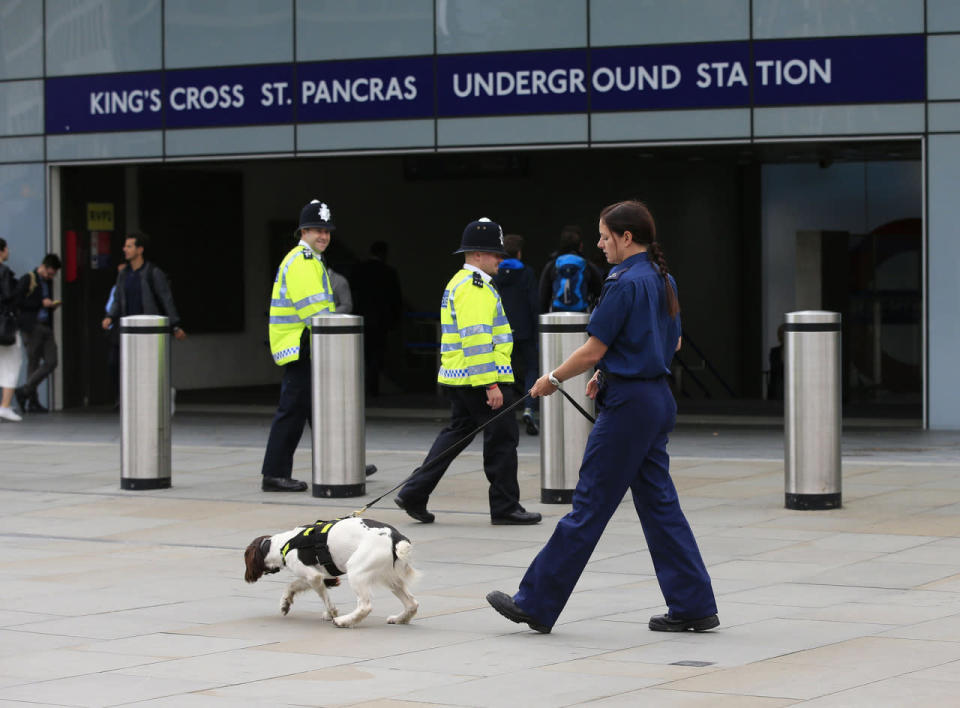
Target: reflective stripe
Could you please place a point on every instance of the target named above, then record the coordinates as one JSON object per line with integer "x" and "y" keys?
{"x": 502, "y": 338}
{"x": 319, "y": 297}
{"x": 477, "y": 350}
{"x": 450, "y": 347}
{"x": 449, "y": 329}
{"x": 285, "y": 319}
{"x": 500, "y": 321}
{"x": 281, "y": 302}
{"x": 487, "y": 368}
{"x": 283, "y": 277}
{"x": 452, "y": 373}
{"x": 475, "y": 329}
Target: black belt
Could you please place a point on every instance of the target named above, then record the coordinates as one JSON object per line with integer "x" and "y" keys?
{"x": 619, "y": 377}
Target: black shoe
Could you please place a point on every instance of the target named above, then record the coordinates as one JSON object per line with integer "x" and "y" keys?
{"x": 666, "y": 623}
{"x": 22, "y": 399}
{"x": 36, "y": 407}
{"x": 419, "y": 513}
{"x": 505, "y": 605}
{"x": 283, "y": 484}
{"x": 370, "y": 469}
{"x": 517, "y": 518}
{"x": 532, "y": 428}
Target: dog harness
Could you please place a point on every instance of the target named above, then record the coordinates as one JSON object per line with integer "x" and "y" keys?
{"x": 312, "y": 548}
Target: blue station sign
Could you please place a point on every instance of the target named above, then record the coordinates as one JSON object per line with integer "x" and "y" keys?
{"x": 884, "y": 69}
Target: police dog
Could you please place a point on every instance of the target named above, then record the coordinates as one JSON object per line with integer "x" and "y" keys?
{"x": 368, "y": 552}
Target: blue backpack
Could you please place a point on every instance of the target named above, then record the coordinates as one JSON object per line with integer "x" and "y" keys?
{"x": 568, "y": 287}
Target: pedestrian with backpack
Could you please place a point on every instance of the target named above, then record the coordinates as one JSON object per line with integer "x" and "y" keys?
{"x": 569, "y": 282}
{"x": 141, "y": 289}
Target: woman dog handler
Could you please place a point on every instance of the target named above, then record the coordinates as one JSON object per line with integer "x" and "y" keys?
{"x": 634, "y": 332}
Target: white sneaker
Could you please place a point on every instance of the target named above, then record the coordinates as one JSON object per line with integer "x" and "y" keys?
{"x": 10, "y": 414}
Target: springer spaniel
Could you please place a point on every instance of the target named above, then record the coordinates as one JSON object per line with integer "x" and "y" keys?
{"x": 368, "y": 552}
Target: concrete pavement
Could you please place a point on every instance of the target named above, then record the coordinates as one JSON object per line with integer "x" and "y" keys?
{"x": 112, "y": 597}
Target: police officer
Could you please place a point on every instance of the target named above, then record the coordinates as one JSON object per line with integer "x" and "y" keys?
{"x": 475, "y": 347}
{"x": 301, "y": 290}
{"x": 634, "y": 332}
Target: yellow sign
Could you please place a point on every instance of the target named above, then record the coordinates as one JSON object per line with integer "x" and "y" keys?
{"x": 99, "y": 217}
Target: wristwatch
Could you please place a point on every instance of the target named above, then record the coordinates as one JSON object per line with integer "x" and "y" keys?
{"x": 553, "y": 379}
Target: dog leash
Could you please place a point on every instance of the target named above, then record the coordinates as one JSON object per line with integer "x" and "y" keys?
{"x": 468, "y": 436}
{"x": 577, "y": 405}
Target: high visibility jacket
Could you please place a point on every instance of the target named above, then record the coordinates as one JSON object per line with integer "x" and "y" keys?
{"x": 300, "y": 291}
{"x": 476, "y": 342}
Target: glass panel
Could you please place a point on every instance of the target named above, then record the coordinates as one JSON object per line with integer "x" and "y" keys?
{"x": 21, "y": 39}
{"x": 224, "y": 32}
{"x": 633, "y": 22}
{"x": 512, "y": 130}
{"x": 350, "y": 29}
{"x": 943, "y": 255}
{"x": 21, "y": 149}
{"x": 943, "y": 16}
{"x": 96, "y": 146}
{"x": 230, "y": 141}
{"x": 826, "y": 18}
{"x": 102, "y": 36}
{"x": 943, "y": 117}
{"x": 943, "y": 55}
{"x": 838, "y": 120}
{"x": 670, "y": 125}
{"x": 465, "y": 26}
{"x": 365, "y": 135}
{"x": 22, "y": 209}
{"x": 21, "y": 107}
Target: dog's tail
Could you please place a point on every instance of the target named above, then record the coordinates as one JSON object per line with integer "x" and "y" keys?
{"x": 403, "y": 550}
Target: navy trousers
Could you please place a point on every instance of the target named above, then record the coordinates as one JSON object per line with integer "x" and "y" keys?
{"x": 469, "y": 410}
{"x": 625, "y": 450}
{"x": 293, "y": 412}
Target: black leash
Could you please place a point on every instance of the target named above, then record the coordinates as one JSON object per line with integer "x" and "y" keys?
{"x": 577, "y": 406}
{"x": 468, "y": 436}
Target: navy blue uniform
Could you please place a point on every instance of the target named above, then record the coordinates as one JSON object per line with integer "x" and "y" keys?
{"x": 627, "y": 449}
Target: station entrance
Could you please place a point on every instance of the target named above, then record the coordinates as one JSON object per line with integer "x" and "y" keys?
{"x": 750, "y": 232}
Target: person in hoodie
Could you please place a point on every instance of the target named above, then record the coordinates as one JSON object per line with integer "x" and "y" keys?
{"x": 517, "y": 286}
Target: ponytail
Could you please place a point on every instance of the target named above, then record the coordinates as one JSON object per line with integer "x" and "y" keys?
{"x": 656, "y": 257}
{"x": 633, "y": 216}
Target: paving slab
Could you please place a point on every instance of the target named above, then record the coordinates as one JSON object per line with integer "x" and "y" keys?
{"x": 112, "y": 597}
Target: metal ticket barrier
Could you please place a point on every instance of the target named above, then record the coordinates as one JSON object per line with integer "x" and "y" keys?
{"x": 145, "y": 401}
{"x": 812, "y": 410}
{"x": 563, "y": 430}
{"x": 338, "y": 429}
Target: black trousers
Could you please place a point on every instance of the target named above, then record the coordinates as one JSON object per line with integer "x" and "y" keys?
{"x": 293, "y": 412}
{"x": 468, "y": 410}
{"x": 41, "y": 347}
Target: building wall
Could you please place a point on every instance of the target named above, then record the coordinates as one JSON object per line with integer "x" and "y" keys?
{"x": 59, "y": 38}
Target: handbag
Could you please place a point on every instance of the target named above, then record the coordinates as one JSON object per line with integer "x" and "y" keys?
{"x": 8, "y": 328}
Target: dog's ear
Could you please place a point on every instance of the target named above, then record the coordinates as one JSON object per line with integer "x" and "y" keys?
{"x": 254, "y": 558}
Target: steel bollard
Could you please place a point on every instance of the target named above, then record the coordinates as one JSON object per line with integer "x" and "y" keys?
{"x": 338, "y": 429}
{"x": 563, "y": 430}
{"x": 144, "y": 402}
{"x": 812, "y": 410}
